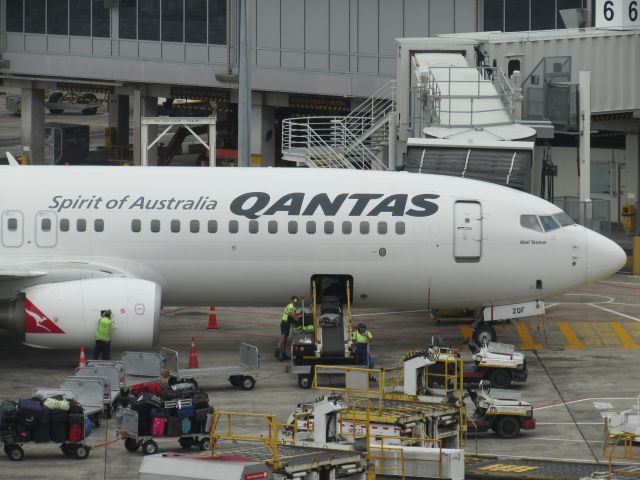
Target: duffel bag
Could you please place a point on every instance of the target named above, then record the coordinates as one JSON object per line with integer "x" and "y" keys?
{"x": 168, "y": 394}
{"x": 30, "y": 407}
{"x": 55, "y": 404}
{"x": 152, "y": 388}
{"x": 200, "y": 400}
{"x": 75, "y": 407}
{"x": 136, "y": 389}
{"x": 187, "y": 411}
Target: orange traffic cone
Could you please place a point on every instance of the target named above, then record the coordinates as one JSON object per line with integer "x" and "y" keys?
{"x": 213, "y": 320}
{"x": 193, "y": 355}
{"x": 83, "y": 362}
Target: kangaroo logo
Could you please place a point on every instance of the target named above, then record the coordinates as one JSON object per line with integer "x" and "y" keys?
{"x": 37, "y": 322}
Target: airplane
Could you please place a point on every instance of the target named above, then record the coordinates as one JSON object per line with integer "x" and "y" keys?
{"x": 78, "y": 240}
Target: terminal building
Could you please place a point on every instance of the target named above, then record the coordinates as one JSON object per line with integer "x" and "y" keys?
{"x": 325, "y": 58}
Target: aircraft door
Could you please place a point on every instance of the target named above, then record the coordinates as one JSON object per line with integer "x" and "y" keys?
{"x": 467, "y": 239}
{"x": 12, "y": 228}
{"x": 46, "y": 229}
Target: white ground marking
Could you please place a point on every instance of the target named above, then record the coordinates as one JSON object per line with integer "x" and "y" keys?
{"x": 636, "y": 284}
{"x": 562, "y": 404}
{"x": 624, "y": 315}
{"x": 602, "y": 405}
{"x": 567, "y": 423}
{"x": 387, "y": 313}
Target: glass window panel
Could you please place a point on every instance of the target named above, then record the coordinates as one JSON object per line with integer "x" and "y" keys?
{"x": 400, "y": 228}
{"x": 346, "y": 228}
{"x": 212, "y": 226}
{"x": 516, "y": 15}
{"x": 253, "y": 226}
{"x": 80, "y": 18}
{"x": 12, "y": 224}
{"x": 81, "y": 225}
{"x": 127, "y": 14}
{"x": 34, "y": 13}
{"x": 64, "y": 225}
{"x": 98, "y": 225}
{"x": 149, "y": 20}
{"x": 548, "y": 223}
{"x": 57, "y": 17}
{"x": 136, "y": 226}
{"x": 195, "y": 21}
{"x": 493, "y": 15}
{"x": 218, "y": 22}
{"x": 293, "y": 227}
{"x": 172, "y": 17}
{"x": 175, "y": 226}
{"x": 543, "y": 15}
{"x": 364, "y": 228}
{"x": 563, "y": 219}
{"x": 328, "y": 227}
{"x": 382, "y": 228}
{"x": 566, "y": 4}
{"x": 14, "y": 16}
{"x": 600, "y": 178}
{"x": 155, "y": 226}
{"x": 530, "y": 222}
{"x": 101, "y": 19}
{"x": 45, "y": 224}
{"x": 233, "y": 226}
{"x": 272, "y": 226}
{"x": 311, "y": 227}
{"x": 194, "y": 226}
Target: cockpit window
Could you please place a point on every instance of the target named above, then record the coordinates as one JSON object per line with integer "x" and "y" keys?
{"x": 563, "y": 219}
{"x": 530, "y": 222}
{"x": 548, "y": 223}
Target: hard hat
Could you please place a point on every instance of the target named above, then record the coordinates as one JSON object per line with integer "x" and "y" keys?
{"x": 362, "y": 325}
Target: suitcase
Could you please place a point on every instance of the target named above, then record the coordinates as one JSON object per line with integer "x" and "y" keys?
{"x": 168, "y": 395}
{"x": 186, "y": 426}
{"x": 41, "y": 433}
{"x": 88, "y": 427}
{"x": 76, "y": 419}
{"x": 8, "y": 413}
{"x": 158, "y": 426}
{"x": 159, "y": 413}
{"x": 23, "y": 434}
{"x": 198, "y": 425}
{"x": 30, "y": 411}
{"x": 150, "y": 399}
{"x": 144, "y": 417}
{"x": 174, "y": 426}
{"x": 59, "y": 431}
{"x": 187, "y": 411}
{"x": 200, "y": 400}
{"x": 201, "y": 413}
{"x": 75, "y": 433}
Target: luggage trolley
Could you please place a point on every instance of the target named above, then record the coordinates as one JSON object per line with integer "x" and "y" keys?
{"x": 143, "y": 367}
{"x": 90, "y": 392}
{"x": 114, "y": 377}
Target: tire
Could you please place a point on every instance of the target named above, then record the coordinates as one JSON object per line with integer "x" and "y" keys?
{"x": 131, "y": 445}
{"x": 500, "y": 378}
{"x": 82, "y": 452}
{"x": 186, "y": 442}
{"x": 16, "y": 453}
{"x": 508, "y": 427}
{"x": 235, "y": 380}
{"x": 484, "y": 334}
{"x": 149, "y": 447}
{"x": 56, "y": 111}
{"x": 248, "y": 383}
{"x": 90, "y": 111}
{"x": 304, "y": 381}
{"x": 205, "y": 444}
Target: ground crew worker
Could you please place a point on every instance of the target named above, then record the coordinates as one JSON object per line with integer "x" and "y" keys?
{"x": 102, "y": 350}
{"x": 288, "y": 317}
{"x": 361, "y": 339}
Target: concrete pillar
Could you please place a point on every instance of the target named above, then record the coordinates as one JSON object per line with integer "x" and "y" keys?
{"x": 144, "y": 107}
{"x": 32, "y": 124}
{"x": 118, "y": 118}
{"x": 584, "y": 190}
{"x": 263, "y": 135}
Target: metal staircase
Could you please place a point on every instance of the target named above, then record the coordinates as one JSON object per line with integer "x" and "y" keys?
{"x": 355, "y": 141}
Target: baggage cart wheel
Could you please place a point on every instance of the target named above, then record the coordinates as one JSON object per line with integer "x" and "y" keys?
{"x": 248, "y": 383}
{"x": 484, "y": 333}
{"x": 500, "y": 378}
{"x": 15, "y": 453}
{"x": 304, "y": 381}
{"x": 131, "y": 444}
{"x": 508, "y": 427}
{"x": 56, "y": 111}
{"x": 186, "y": 442}
{"x": 149, "y": 447}
{"x": 205, "y": 444}
{"x": 66, "y": 450}
{"x": 235, "y": 380}
{"x": 90, "y": 111}
{"x": 82, "y": 452}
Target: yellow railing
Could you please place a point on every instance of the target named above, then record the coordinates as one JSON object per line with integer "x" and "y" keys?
{"x": 611, "y": 450}
{"x": 378, "y": 391}
{"x": 349, "y": 325}
{"x": 315, "y": 312}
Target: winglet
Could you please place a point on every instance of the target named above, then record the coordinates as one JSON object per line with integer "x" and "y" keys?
{"x": 12, "y": 160}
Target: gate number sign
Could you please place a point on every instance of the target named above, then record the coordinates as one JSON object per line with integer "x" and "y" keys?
{"x": 617, "y": 13}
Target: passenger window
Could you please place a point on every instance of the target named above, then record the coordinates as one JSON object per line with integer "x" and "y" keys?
{"x": 548, "y": 223}
{"x": 136, "y": 226}
{"x": 400, "y": 228}
{"x": 233, "y": 226}
{"x": 382, "y": 228}
{"x": 364, "y": 228}
{"x": 155, "y": 226}
{"x": 175, "y": 226}
{"x": 98, "y": 225}
{"x": 293, "y": 227}
{"x": 212, "y": 226}
{"x": 64, "y": 225}
{"x": 194, "y": 226}
{"x": 311, "y": 227}
{"x": 530, "y": 222}
{"x": 12, "y": 224}
{"x": 346, "y": 228}
{"x": 563, "y": 219}
{"x": 272, "y": 226}
{"x": 45, "y": 224}
{"x": 328, "y": 227}
{"x": 81, "y": 225}
{"x": 253, "y": 226}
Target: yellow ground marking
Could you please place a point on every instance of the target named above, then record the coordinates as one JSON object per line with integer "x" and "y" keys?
{"x": 585, "y": 330}
{"x": 572, "y": 340}
{"x": 467, "y": 331}
{"x": 525, "y": 336}
{"x": 606, "y": 334}
{"x": 625, "y": 339}
{"x": 499, "y": 467}
{"x": 634, "y": 329}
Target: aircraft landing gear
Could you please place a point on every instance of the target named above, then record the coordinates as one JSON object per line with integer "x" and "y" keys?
{"x": 483, "y": 333}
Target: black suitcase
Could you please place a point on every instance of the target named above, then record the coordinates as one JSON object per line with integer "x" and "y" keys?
{"x": 8, "y": 412}
{"x": 144, "y": 418}
{"x": 174, "y": 427}
{"x": 41, "y": 434}
{"x": 23, "y": 434}
{"x": 200, "y": 400}
{"x": 201, "y": 413}
{"x": 59, "y": 432}
{"x": 59, "y": 416}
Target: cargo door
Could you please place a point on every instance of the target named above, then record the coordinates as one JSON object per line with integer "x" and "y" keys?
{"x": 467, "y": 240}
{"x": 46, "y": 229}
{"x": 12, "y": 228}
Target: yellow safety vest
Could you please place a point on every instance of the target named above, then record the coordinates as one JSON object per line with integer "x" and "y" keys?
{"x": 288, "y": 310}
{"x": 104, "y": 329}
{"x": 362, "y": 337}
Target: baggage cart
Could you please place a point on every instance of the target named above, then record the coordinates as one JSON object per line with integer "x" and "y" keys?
{"x": 89, "y": 393}
{"x": 114, "y": 377}
{"x": 143, "y": 367}
{"x": 127, "y": 420}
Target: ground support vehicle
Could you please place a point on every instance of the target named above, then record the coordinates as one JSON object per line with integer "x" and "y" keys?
{"x": 86, "y": 103}
{"x": 502, "y": 411}
{"x": 141, "y": 367}
{"x": 497, "y": 362}
{"x": 626, "y": 422}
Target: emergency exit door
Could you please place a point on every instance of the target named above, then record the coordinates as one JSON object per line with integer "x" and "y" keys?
{"x": 467, "y": 238}
{"x": 12, "y": 228}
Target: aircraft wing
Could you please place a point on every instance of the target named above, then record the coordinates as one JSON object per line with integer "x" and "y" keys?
{"x": 13, "y": 274}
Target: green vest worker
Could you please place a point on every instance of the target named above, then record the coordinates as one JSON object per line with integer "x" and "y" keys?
{"x": 102, "y": 350}
{"x": 288, "y": 317}
{"x": 361, "y": 338}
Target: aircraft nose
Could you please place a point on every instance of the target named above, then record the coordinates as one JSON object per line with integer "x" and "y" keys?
{"x": 604, "y": 257}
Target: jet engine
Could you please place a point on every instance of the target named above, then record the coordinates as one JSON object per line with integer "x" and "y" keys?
{"x": 66, "y": 314}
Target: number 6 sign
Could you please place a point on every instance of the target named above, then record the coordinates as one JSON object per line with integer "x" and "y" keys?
{"x": 617, "y": 13}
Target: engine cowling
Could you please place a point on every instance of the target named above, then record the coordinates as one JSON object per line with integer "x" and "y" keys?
{"x": 66, "y": 314}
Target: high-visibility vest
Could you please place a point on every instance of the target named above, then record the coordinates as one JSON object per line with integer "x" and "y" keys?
{"x": 104, "y": 329}
{"x": 288, "y": 310}
{"x": 362, "y": 337}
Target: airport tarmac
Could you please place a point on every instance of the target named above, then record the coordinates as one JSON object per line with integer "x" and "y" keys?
{"x": 582, "y": 358}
